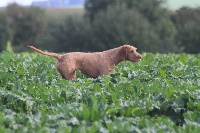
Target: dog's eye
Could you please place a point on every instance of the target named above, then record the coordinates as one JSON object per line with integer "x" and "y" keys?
{"x": 132, "y": 51}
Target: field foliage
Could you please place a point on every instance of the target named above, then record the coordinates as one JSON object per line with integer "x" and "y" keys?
{"x": 159, "y": 94}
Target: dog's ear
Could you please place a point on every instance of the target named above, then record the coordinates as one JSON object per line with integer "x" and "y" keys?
{"x": 124, "y": 51}
{"x": 126, "y": 48}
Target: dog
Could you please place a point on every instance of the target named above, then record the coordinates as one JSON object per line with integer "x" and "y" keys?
{"x": 92, "y": 64}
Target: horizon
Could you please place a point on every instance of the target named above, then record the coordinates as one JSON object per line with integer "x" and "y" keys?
{"x": 169, "y": 4}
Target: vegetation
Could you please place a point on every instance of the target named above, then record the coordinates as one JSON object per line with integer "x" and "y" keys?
{"x": 159, "y": 94}
{"x": 25, "y": 24}
{"x": 187, "y": 22}
{"x": 72, "y": 34}
{"x": 59, "y": 13}
{"x": 137, "y": 30}
{"x": 4, "y": 33}
{"x": 104, "y": 24}
{"x": 123, "y": 22}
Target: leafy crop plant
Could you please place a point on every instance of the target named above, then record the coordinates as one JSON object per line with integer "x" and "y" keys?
{"x": 159, "y": 94}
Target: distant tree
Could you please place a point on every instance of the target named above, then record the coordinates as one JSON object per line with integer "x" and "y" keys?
{"x": 25, "y": 23}
{"x": 4, "y": 33}
{"x": 119, "y": 25}
{"x": 94, "y": 6}
{"x": 149, "y": 8}
{"x": 15, "y": 14}
{"x": 187, "y": 22}
{"x": 73, "y": 34}
{"x": 144, "y": 22}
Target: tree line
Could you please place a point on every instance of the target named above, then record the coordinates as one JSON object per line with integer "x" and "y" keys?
{"x": 105, "y": 24}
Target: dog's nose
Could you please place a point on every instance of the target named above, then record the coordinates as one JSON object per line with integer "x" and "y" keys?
{"x": 139, "y": 56}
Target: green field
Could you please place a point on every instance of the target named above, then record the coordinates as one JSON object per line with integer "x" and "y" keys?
{"x": 61, "y": 13}
{"x": 159, "y": 94}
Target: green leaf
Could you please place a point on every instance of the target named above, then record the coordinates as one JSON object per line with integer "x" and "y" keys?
{"x": 86, "y": 114}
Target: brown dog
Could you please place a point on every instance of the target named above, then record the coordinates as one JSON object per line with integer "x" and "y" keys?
{"x": 92, "y": 64}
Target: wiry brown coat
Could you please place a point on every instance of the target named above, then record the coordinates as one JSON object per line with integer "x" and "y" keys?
{"x": 92, "y": 64}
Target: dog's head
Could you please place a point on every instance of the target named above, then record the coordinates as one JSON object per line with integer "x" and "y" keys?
{"x": 131, "y": 53}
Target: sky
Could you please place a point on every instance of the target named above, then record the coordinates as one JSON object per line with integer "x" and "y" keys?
{"x": 4, "y": 3}
{"x": 174, "y": 4}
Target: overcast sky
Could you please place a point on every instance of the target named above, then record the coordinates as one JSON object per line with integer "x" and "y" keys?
{"x": 171, "y": 3}
{"x": 4, "y": 3}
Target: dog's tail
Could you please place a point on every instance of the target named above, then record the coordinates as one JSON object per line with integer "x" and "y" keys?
{"x": 57, "y": 56}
